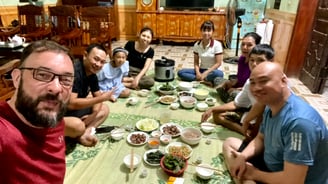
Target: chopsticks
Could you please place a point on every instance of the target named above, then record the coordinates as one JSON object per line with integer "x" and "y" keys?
{"x": 131, "y": 161}
{"x": 209, "y": 125}
{"x": 148, "y": 105}
{"x": 217, "y": 170}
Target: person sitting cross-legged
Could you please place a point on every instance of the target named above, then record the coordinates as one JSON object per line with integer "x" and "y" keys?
{"x": 85, "y": 111}
{"x": 111, "y": 75}
{"x": 292, "y": 144}
{"x": 232, "y": 114}
{"x": 228, "y": 89}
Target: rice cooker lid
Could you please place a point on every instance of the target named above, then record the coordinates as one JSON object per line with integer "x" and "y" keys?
{"x": 164, "y": 62}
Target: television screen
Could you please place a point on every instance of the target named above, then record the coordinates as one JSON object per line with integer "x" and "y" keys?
{"x": 189, "y": 4}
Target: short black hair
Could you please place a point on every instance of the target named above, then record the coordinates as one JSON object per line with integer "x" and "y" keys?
{"x": 95, "y": 45}
{"x": 265, "y": 49}
{"x": 254, "y": 35}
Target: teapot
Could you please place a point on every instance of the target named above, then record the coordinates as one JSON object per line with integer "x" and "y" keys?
{"x": 17, "y": 40}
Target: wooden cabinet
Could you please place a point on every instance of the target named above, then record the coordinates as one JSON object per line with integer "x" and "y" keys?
{"x": 148, "y": 20}
{"x": 180, "y": 26}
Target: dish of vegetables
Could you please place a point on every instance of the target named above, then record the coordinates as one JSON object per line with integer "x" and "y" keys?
{"x": 153, "y": 157}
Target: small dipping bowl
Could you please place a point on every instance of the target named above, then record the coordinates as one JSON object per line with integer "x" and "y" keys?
{"x": 153, "y": 143}
{"x": 136, "y": 160}
{"x": 117, "y": 134}
{"x": 204, "y": 172}
{"x": 133, "y": 100}
{"x": 210, "y": 101}
{"x": 156, "y": 134}
{"x": 165, "y": 139}
{"x": 207, "y": 127}
{"x": 143, "y": 92}
{"x": 202, "y": 106}
{"x": 174, "y": 105}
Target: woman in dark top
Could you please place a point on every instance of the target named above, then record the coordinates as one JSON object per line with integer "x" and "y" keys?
{"x": 140, "y": 58}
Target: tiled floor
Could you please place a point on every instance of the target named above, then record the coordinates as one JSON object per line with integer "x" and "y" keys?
{"x": 183, "y": 57}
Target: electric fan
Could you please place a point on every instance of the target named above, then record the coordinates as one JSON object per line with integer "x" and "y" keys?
{"x": 233, "y": 17}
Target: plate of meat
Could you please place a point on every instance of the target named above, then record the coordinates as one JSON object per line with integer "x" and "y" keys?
{"x": 171, "y": 129}
{"x": 137, "y": 138}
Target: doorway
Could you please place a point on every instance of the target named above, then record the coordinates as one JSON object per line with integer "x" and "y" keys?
{"x": 308, "y": 52}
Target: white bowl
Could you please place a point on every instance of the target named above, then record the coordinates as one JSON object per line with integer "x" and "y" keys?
{"x": 191, "y": 136}
{"x": 195, "y": 84}
{"x": 133, "y": 100}
{"x": 143, "y": 92}
{"x": 202, "y": 106}
{"x": 174, "y": 105}
{"x": 207, "y": 127}
{"x": 185, "y": 93}
{"x": 188, "y": 102}
{"x": 201, "y": 94}
{"x": 210, "y": 101}
{"x": 165, "y": 139}
{"x": 156, "y": 133}
{"x": 204, "y": 172}
{"x": 185, "y": 86}
{"x": 117, "y": 134}
{"x": 136, "y": 160}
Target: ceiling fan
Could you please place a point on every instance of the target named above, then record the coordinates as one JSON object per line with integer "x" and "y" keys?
{"x": 233, "y": 17}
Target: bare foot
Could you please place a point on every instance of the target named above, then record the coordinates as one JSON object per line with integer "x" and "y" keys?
{"x": 207, "y": 83}
{"x": 87, "y": 139}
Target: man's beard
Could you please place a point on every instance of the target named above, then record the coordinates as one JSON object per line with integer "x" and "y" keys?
{"x": 29, "y": 109}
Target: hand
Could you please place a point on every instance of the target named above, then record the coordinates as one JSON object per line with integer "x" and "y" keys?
{"x": 238, "y": 166}
{"x": 206, "y": 115}
{"x": 108, "y": 95}
{"x": 198, "y": 77}
{"x": 245, "y": 126}
{"x": 204, "y": 75}
{"x": 135, "y": 84}
{"x": 250, "y": 130}
{"x": 250, "y": 172}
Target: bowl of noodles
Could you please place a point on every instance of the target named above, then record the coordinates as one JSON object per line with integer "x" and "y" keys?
{"x": 179, "y": 149}
{"x": 168, "y": 99}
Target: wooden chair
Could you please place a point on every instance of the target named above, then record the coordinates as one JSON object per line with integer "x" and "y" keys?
{"x": 6, "y": 32}
{"x": 64, "y": 25}
{"x": 96, "y": 24}
{"x": 7, "y": 88}
{"x": 32, "y": 22}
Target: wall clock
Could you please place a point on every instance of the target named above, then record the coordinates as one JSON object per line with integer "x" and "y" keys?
{"x": 147, "y": 5}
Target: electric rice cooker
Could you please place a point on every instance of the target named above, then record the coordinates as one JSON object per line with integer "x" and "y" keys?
{"x": 164, "y": 70}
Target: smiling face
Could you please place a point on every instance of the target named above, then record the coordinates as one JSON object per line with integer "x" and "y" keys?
{"x": 207, "y": 34}
{"x": 247, "y": 45}
{"x": 145, "y": 37}
{"x": 43, "y": 104}
{"x": 94, "y": 60}
{"x": 268, "y": 83}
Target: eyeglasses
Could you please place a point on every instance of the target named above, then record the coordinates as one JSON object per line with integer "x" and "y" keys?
{"x": 47, "y": 76}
